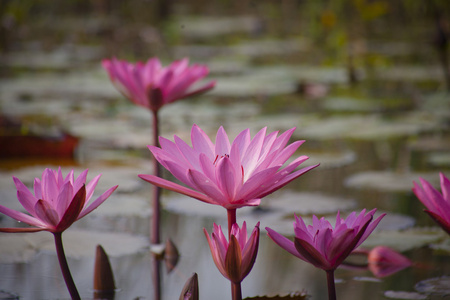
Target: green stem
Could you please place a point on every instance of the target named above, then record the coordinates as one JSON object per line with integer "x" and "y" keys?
{"x": 331, "y": 285}
{"x": 236, "y": 292}
{"x": 65, "y": 267}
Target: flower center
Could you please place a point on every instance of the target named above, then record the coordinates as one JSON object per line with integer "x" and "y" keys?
{"x": 216, "y": 160}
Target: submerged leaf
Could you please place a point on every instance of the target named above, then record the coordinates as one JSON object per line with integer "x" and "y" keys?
{"x": 403, "y": 295}
{"x": 436, "y": 286}
{"x": 292, "y": 296}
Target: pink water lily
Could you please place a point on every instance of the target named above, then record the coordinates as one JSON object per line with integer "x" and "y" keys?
{"x": 151, "y": 85}
{"x": 437, "y": 204}
{"x": 57, "y": 202}
{"x": 324, "y": 246}
{"x": 235, "y": 258}
{"x": 233, "y": 174}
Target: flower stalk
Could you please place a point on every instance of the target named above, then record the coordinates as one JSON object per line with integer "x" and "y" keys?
{"x": 156, "y": 205}
{"x": 231, "y": 220}
{"x": 331, "y": 285}
{"x": 236, "y": 291}
{"x": 65, "y": 267}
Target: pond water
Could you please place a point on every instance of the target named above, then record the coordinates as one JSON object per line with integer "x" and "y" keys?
{"x": 369, "y": 98}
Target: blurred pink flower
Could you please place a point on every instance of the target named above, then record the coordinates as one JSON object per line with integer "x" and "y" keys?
{"x": 438, "y": 205}
{"x": 57, "y": 202}
{"x": 236, "y": 258}
{"x": 231, "y": 175}
{"x": 324, "y": 246}
{"x": 384, "y": 261}
{"x": 150, "y": 85}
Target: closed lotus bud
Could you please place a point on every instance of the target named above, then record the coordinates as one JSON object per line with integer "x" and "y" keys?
{"x": 104, "y": 286}
{"x": 190, "y": 289}
{"x": 236, "y": 258}
{"x": 171, "y": 255}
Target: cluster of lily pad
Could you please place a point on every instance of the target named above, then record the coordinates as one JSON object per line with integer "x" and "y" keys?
{"x": 229, "y": 173}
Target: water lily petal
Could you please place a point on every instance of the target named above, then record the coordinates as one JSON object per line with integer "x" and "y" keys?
{"x": 201, "y": 142}
{"x": 283, "y": 242}
{"x": 21, "y": 217}
{"x": 46, "y": 213}
{"x": 73, "y": 211}
{"x": 96, "y": 203}
{"x": 162, "y": 183}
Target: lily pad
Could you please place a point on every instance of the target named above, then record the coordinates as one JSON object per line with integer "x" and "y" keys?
{"x": 274, "y": 80}
{"x": 329, "y": 75}
{"x": 387, "y": 181}
{"x": 405, "y": 239}
{"x": 228, "y": 66}
{"x": 245, "y": 51}
{"x": 404, "y": 295}
{"x": 269, "y": 47}
{"x": 50, "y": 106}
{"x": 182, "y": 115}
{"x": 351, "y": 104}
{"x": 77, "y": 243}
{"x": 330, "y": 160}
{"x": 441, "y": 160}
{"x": 274, "y": 122}
{"x": 367, "y": 279}
{"x": 394, "y": 221}
{"x": 393, "y": 48}
{"x": 119, "y": 213}
{"x": 63, "y": 57}
{"x": 410, "y": 73}
{"x": 253, "y": 85}
{"x": 438, "y": 104}
{"x": 85, "y": 85}
{"x": 435, "y": 286}
{"x": 443, "y": 247}
{"x": 290, "y": 202}
{"x": 368, "y": 127}
{"x": 209, "y": 27}
{"x": 109, "y": 130}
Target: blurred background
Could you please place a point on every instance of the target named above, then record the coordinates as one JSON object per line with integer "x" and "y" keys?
{"x": 366, "y": 83}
